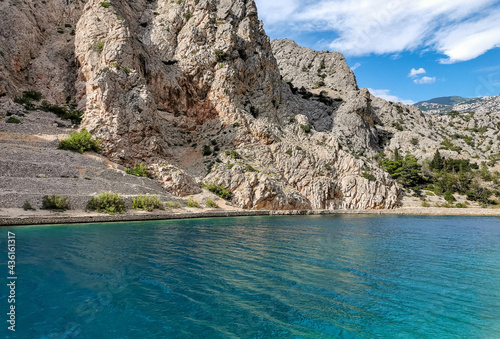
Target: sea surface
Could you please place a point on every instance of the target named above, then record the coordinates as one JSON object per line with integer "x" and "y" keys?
{"x": 257, "y": 277}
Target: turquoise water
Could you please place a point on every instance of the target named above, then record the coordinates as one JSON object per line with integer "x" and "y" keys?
{"x": 259, "y": 277}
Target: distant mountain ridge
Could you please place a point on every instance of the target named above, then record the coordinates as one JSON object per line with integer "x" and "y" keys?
{"x": 444, "y": 101}
{"x": 443, "y": 105}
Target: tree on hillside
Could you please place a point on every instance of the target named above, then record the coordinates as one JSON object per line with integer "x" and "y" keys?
{"x": 437, "y": 162}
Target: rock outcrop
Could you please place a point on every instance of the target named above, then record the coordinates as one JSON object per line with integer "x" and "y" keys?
{"x": 193, "y": 90}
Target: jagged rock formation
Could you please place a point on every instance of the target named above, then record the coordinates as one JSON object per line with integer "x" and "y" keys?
{"x": 192, "y": 89}
{"x": 392, "y": 125}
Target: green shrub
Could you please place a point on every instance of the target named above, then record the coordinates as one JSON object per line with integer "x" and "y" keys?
{"x": 27, "y": 99}
{"x": 369, "y": 176}
{"x": 32, "y": 95}
{"x": 27, "y": 206}
{"x": 249, "y": 168}
{"x": 448, "y": 196}
{"x": 98, "y": 46}
{"x": 414, "y": 141}
{"x": 233, "y": 154}
{"x": 105, "y": 4}
{"x": 289, "y": 152}
{"x": 107, "y": 202}
{"x": 188, "y": 16}
{"x": 64, "y": 113}
{"x": 460, "y": 205}
{"x": 13, "y": 120}
{"x": 139, "y": 170}
{"x": 55, "y": 203}
{"x": 426, "y": 204}
{"x": 220, "y": 55}
{"x": 398, "y": 127}
{"x": 80, "y": 142}
{"x": 447, "y": 144}
{"x": 211, "y": 204}
{"x": 306, "y": 128}
{"x": 319, "y": 84}
{"x": 172, "y": 204}
{"x": 147, "y": 203}
{"x": 206, "y": 150}
{"x": 219, "y": 190}
{"x": 193, "y": 203}
{"x": 24, "y": 101}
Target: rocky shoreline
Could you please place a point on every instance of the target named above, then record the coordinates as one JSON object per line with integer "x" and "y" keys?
{"x": 16, "y": 218}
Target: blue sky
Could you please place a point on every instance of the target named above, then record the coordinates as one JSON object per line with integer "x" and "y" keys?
{"x": 402, "y": 50}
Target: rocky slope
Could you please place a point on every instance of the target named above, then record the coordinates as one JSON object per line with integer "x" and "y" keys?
{"x": 467, "y": 134}
{"x": 196, "y": 91}
{"x": 192, "y": 89}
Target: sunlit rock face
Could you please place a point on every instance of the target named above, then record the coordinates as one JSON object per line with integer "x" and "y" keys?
{"x": 192, "y": 89}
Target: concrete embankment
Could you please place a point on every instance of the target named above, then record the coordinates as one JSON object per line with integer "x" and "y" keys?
{"x": 17, "y": 218}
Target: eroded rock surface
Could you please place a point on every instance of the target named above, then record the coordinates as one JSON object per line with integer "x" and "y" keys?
{"x": 186, "y": 86}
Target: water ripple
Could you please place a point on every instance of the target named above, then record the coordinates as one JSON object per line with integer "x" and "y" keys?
{"x": 262, "y": 277}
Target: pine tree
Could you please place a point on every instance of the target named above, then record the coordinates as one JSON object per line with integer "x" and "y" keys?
{"x": 437, "y": 162}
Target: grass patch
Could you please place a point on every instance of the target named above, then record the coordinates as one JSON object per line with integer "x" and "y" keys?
{"x": 147, "y": 203}
{"x": 107, "y": 202}
{"x": 105, "y": 4}
{"x": 172, "y": 205}
{"x": 80, "y": 142}
{"x": 55, "y": 203}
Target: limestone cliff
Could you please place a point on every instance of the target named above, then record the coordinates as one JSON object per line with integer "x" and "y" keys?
{"x": 389, "y": 126}
{"x": 192, "y": 88}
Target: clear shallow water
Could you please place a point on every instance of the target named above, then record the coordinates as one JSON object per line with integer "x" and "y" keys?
{"x": 259, "y": 277}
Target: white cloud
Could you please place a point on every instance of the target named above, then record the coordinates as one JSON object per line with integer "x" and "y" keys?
{"x": 385, "y": 94}
{"x": 357, "y": 65}
{"x": 460, "y": 29}
{"x": 276, "y": 11}
{"x": 425, "y": 80}
{"x": 414, "y": 72}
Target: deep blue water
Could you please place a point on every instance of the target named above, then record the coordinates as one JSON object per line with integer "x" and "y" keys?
{"x": 258, "y": 277}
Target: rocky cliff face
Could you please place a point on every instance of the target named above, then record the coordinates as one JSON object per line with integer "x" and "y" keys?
{"x": 192, "y": 88}
{"x": 379, "y": 125}
{"x": 37, "y": 47}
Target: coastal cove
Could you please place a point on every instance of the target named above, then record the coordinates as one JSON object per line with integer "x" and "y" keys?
{"x": 342, "y": 276}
